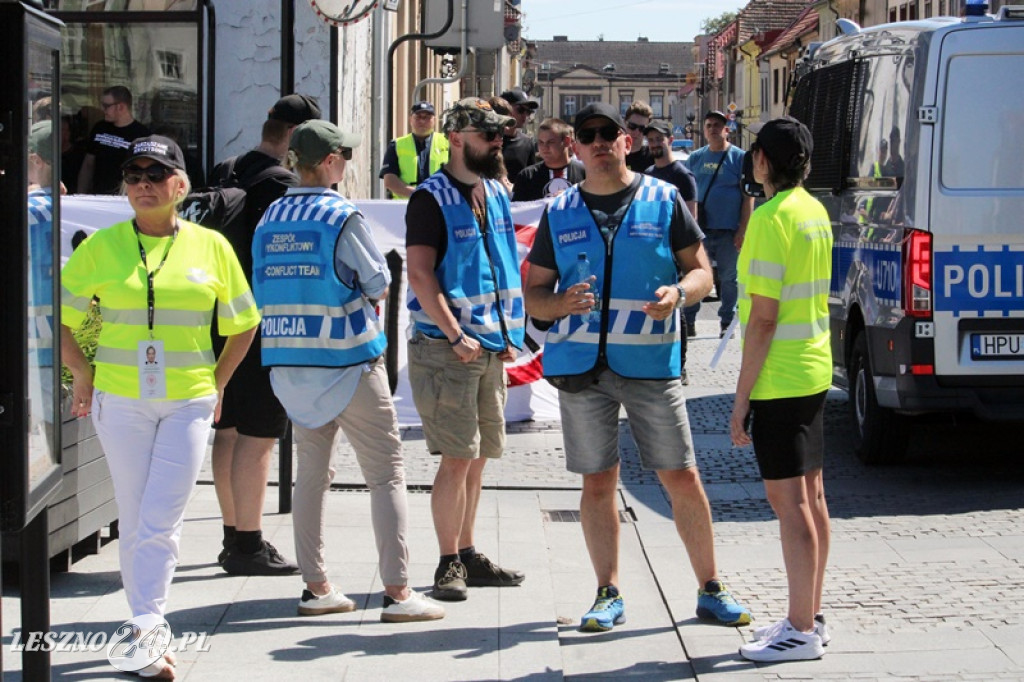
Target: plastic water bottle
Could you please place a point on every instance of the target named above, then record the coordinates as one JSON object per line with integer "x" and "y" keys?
{"x": 583, "y": 275}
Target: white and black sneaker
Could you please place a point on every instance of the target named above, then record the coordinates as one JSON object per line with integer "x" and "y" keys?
{"x": 415, "y": 608}
{"x": 320, "y": 604}
{"x": 768, "y": 631}
{"x": 786, "y": 643}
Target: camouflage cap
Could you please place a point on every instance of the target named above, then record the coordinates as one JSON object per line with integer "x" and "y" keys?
{"x": 476, "y": 113}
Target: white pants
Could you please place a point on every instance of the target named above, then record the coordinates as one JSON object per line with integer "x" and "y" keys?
{"x": 154, "y": 450}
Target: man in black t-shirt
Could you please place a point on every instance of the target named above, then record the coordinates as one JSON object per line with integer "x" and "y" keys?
{"x": 659, "y": 143}
{"x": 108, "y": 143}
{"x": 629, "y": 350}
{"x": 557, "y": 170}
{"x": 252, "y": 418}
{"x": 518, "y": 149}
{"x": 638, "y": 116}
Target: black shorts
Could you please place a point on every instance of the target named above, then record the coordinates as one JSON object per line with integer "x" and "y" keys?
{"x": 788, "y": 435}
{"x": 249, "y": 401}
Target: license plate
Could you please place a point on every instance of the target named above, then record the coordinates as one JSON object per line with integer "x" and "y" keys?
{"x": 997, "y": 346}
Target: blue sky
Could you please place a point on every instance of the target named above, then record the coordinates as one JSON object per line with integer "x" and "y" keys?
{"x": 658, "y": 20}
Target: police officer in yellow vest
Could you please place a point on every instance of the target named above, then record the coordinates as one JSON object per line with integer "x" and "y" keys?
{"x": 412, "y": 158}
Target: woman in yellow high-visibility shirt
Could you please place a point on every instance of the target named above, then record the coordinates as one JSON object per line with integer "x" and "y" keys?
{"x": 157, "y": 386}
{"x": 785, "y": 267}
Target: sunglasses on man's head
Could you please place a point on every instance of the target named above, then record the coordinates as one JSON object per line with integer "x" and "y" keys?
{"x": 635, "y": 126}
{"x": 155, "y": 174}
{"x": 523, "y": 109}
{"x": 489, "y": 135}
{"x": 346, "y": 153}
{"x": 608, "y": 133}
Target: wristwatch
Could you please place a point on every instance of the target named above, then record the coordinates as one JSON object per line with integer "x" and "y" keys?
{"x": 682, "y": 295}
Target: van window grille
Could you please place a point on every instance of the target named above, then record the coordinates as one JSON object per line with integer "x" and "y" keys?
{"x": 826, "y": 102}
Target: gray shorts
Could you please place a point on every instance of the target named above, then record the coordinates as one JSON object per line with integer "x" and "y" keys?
{"x": 657, "y": 417}
{"x": 462, "y": 405}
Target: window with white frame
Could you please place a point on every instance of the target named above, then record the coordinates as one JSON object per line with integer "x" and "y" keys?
{"x": 569, "y": 104}
{"x": 171, "y": 64}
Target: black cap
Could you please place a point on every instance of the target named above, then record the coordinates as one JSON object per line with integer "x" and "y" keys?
{"x": 598, "y": 110}
{"x": 516, "y": 97}
{"x": 422, "y": 106}
{"x": 161, "y": 149}
{"x": 715, "y": 113}
{"x": 294, "y": 109}
{"x": 659, "y": 127}
{"x": 786, "y": 141}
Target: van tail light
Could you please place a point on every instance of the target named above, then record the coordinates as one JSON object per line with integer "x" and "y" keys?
{"x": 917, "y": 274}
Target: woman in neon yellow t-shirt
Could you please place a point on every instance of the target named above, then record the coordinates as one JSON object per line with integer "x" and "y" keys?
{"x": 784, "y": 272}
{"x": 157, "y": 385}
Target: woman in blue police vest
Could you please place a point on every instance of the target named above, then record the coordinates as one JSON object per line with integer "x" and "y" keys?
{"x": 317, "y": 276}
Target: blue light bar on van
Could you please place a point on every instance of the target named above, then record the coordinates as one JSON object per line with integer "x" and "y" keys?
{"x": 976, "y": 8}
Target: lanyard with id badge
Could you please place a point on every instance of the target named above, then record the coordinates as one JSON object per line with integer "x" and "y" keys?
{"x": 152, "y": 367}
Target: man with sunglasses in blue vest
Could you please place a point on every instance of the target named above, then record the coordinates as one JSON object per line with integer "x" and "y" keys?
{"x": 646, "y": 259}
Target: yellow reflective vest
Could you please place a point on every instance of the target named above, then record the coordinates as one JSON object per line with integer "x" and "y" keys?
{"x": 787, "y": 256}
{"x": 408, "y": 162}
{"x": 201, "y": 273}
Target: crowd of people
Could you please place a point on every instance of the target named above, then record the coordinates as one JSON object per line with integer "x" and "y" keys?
{"x": 294, "y": 295}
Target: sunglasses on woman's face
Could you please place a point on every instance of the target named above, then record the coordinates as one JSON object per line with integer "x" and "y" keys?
{"x": 155, "y": 174}
{"x": 345, "y": 152}
{"x": 608, "y": 133}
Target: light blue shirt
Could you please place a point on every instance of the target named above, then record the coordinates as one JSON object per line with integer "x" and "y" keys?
{"x": 313, "y": 396}
{"x": 723, "y": 201}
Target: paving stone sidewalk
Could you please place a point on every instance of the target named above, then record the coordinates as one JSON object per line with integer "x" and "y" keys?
{"x": 925, "y": 581}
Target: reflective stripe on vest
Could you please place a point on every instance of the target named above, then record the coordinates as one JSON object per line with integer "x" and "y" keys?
{"x": 310, "y": 317}
{"x": 642, "y": 261}
{"x": 480, "y": 280}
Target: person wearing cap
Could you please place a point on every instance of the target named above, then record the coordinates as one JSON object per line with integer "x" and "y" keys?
{"x": 629, "y": 358}
{"x": 466, "y": 307}
{"x": 556, "y": 171}
{"x": 786, "y": 369}
{"x": 658, "y": 136}
{"x": 252, "y": 418}
{"x": 518, "y": 149}
{"x": 159, "y": 279}
{"x": 722, "y": 212}
{"x": 318, "y": 279}
{"x": 108, "y": 143}
{"x": 638, "y": 117}
{"x": 412, "y": 158}
{"x": 41, "y": 274}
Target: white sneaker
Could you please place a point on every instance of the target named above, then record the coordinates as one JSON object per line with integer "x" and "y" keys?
{"x": 332, "y": 602}
{"x": 786, "y": 644}
{"x": 768, "y": 631}
{"x": 416, "y": 607}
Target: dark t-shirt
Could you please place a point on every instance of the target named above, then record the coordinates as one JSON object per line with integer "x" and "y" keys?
{"x": 640, "y": 160}
{"x": 537, "y": 181}
{"x": 683, "y": 229}
{"x": 519, "y": 152}
{"x": 264, "y": 180}
{"x": 109, "y": 144}
{"x": 424, "y": 222}
{"x": 676, "y": 173}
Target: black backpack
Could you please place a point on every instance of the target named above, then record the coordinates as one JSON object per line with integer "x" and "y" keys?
{"x": 222, "y": 207}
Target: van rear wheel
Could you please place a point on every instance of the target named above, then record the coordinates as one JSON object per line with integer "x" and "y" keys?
{"x": 880, "y": 433}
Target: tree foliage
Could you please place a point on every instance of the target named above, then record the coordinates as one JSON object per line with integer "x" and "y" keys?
{"x": 713, "y": 25}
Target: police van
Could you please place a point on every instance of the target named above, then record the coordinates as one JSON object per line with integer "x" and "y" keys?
{"x": 919, "y": 159}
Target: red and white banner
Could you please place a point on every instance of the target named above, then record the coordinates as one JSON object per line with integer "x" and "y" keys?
{"x": 529, "y": 396}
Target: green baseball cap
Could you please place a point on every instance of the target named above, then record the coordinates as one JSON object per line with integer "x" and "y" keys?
{"x": 40, "y": 139}
{"x": 313, "y": 140}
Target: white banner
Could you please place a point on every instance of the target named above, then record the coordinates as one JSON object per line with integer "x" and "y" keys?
{"x": 529, "y": 396}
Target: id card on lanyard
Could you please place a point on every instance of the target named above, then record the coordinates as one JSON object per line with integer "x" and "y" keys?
{"x": 152, "y": 364}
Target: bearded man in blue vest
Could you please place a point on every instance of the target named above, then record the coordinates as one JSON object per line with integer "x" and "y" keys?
{"x": 412, "y": 158}
{"x": 466, "y": 306}
{"x": 646, "y": 258}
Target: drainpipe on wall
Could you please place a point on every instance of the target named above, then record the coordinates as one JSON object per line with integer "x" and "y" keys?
{"x": 287, "y": 47}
